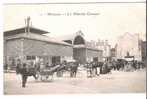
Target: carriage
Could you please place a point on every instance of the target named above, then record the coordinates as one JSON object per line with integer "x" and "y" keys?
{"x": 38, "y": 72}
{"x": 47, "y": 73}
{"x": 43, "y": 73}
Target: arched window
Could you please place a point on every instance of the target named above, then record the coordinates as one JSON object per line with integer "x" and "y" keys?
{"x": 78, "y": 40}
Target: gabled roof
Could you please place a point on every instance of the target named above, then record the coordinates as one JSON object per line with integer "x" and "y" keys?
{"x": 128, "y": 35}
{"x": 22, "y": 30}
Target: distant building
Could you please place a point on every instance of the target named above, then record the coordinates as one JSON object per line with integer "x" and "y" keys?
{"x": 92, "y": 44}
{"x": 143, "y": 50}
{"x": 105, "y": 47}
{"x": 129, "y": 45}
{"x": 113, "y": 53}
{"x": 83, "y": 51}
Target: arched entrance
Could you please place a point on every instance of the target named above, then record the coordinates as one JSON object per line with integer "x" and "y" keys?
{"x": 79, "y": 51}
{"x": 78, "y": 40}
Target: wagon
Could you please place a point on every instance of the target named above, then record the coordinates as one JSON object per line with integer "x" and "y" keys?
{"x": 47, "y": 74}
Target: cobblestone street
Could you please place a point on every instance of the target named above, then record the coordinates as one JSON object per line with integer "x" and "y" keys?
{"x": 115, "y": 82}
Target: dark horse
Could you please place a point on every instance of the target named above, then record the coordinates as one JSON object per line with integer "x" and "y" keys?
{"x": 105, "y": 68}
{"x": 25, "y": 72}
{"x": 73, "y": 69}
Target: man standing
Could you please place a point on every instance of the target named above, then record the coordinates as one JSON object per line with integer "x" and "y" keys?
{"x": 18, "y": 66}
{"x": 24, "y": 75}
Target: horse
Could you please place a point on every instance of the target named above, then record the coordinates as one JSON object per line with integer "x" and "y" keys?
{"x": 31, "y": 71}
{"x": 60, "y": 70}
{"x": 26, "y": 71}
{"x": 118, "y": 65}
{"x": 100, "y": 65}
{"x": 105, "y": 68}
{"x": 73, "y": 69}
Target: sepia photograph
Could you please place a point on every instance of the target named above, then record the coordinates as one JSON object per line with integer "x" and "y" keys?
{"x": 74, "y": 48}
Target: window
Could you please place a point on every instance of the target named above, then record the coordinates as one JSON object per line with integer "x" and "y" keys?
{"x": 31, "y": 57}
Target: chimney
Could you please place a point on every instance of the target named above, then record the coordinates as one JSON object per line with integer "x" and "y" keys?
{"x": 27, "y": 22}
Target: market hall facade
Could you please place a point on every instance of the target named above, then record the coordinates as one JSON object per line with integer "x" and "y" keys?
{"x": 34, "y": 46}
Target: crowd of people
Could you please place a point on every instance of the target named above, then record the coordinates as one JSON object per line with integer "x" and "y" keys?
{"x": 96, "y": 68}
{"x": 93, "y": 68}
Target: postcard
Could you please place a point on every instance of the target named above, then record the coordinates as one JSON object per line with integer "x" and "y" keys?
{"x": 74, "y": 48}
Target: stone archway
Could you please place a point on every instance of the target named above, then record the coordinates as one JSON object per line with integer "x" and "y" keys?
{"x": 78, "y": 40}
{"x": 79, "y": 51}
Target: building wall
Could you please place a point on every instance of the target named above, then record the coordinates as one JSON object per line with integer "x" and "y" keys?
{"x": 12, "y": 47}
{"x": 105, "y": 47}
{"x": 113, "y": 54}
{"x": 100, "y": 56}
{"x": 91, "y": 54}
{"x": 143, "y": 50}
{"x": 128, "y": 43}
{"x": 86, "y": 55}
{"x": 12, "y": 52}
{"x": 47, "y": 50}
{"x": 40, "y": 48}
{"x": 79, "y": 54}
{"x": 22, "y": 48}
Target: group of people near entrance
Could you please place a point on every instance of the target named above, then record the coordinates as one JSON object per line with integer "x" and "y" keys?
{"x": 124, "y": 65}
{"x": 96, "y": 68}
{"x": 93, "y": 69}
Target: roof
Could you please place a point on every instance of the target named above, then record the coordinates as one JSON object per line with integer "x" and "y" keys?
{"x": 94, "y": 49}
{"x": 84, "y": 46}
{"x": 129, "y": 56}
{"x": 72, "y": 37}
{"x": 37, "y": 37}
{"x": 22, "y": 30}
{"x": 128, "y": 35}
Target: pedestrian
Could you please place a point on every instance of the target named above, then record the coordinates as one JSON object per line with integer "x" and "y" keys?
{"x": 24, "y": 75}
{"x": 94, "y": 68}
{"x": 89, "y": 69}
{"x": 18, "y": 66}
{"x": 47, "y": 65}
{"x": 6, "y": 67}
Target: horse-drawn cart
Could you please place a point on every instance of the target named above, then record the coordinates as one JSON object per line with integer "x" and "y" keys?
{"x": 47, "y": 73}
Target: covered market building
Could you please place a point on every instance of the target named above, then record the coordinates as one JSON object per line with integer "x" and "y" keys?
{"x": 31, "y": 45}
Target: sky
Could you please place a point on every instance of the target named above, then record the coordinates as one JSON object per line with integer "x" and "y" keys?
{"x": 110, "y": 20}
